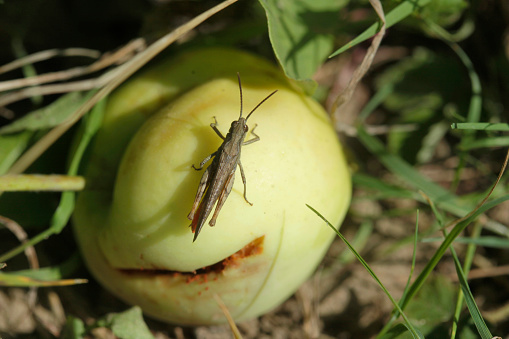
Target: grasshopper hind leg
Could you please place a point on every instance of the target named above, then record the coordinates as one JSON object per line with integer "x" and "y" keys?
{"x": 244, "y": 182}
{"x": 199, "y": 194}
{"x": 222, "y": 198}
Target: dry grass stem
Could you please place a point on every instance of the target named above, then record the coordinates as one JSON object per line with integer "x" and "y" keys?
{"x": 26, "y": 93}
{"x": 363, "y": 68}
{"x": 351, "y": 131}
{"x": 485, "y": 272}
{"x": 121, "y": 73}
{"x": 497, "y": 315}
{"x": 106, "y": 60}
{"x": 30, "y": 253}
{"x": 231, "y": 322}
{"x": 49, "y": 54}
{"x": 21, "y": 235}
{"x": 307, "y": 298}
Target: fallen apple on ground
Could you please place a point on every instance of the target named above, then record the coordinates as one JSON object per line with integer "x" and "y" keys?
{"x": 131, "y": 220}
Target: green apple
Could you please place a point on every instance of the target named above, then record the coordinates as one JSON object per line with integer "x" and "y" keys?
{"x": 131, "y": 221}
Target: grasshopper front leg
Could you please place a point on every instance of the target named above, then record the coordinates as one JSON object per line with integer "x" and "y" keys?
{"x": 204, "y": 161}
{"x": 255, "y": 139}
{"x": 218, "y": 132}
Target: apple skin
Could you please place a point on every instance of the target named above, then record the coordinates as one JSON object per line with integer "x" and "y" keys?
{"x": 131, "y": 220}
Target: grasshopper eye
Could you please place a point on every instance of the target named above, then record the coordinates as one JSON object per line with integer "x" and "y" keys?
{"x": 246, "y": 128}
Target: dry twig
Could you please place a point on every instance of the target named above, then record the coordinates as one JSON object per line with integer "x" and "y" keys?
{"x": 359, "y": 73}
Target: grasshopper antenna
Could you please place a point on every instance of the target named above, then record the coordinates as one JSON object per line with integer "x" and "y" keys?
{"x": 261, "y": 102}
{"x": 240, "y": 89}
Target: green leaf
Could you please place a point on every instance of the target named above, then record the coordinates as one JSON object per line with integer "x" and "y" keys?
{"x": 11, "y": 147}
{"x": 433, "y": 306}
{"x": 399, "y": 331}
{"x": 129, "y": 324}
{"x": 302, "y": 33}
{"x": 49, "y": 116}
{"x": 54, "y": 272}
{"x": 74, "y": 328}
{"x": 444, "y": 12}
{"x": 393, "y": 17}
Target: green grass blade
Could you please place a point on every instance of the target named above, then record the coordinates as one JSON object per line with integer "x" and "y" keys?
{"x": 489, "y": 142}
{"x": 359, "y": 241}
{"x": 17, "y": 280}
{"x": 469, "y": 298}
{"x": 377, "y": 99}
{"x": 61, "y": 271}
{"x": 413, "y": 331}
{"x": 414, "y": 254}
{"x": 469, "y": 257}
{"x": 41, "y": 182}
{"x": 74, "y": 328}
{"x": 393, "y": 17}
{"x": 388, "y": 328}
{"x": 49, "y": 116}
{"x": 92, "y": 122}
{"x": 380, "y": 189}
{"x": 64, "y": 210}
{"x": 419, "y": 281}
{"x": 28, "y": 69}
{"x": 481, "y": 126}
{"x": 464, "y": 286}
{"x": 487, "y": 241}
{"x": 442, "y": 198}
{"x": 475, "y": 105}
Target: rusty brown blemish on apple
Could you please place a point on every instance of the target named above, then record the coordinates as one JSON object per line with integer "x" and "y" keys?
{"x": 201, "y": 275}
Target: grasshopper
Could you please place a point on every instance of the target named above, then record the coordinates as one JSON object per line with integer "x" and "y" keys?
{"x": 217, "y": 180}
